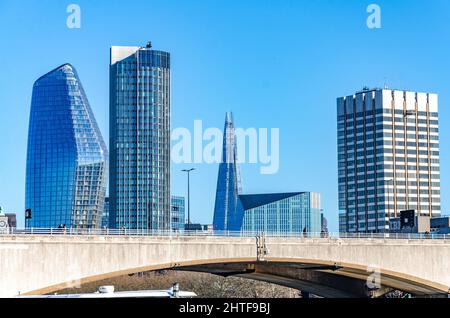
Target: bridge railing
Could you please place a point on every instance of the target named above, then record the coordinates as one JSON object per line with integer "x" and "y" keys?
{"x": 174, "y": 233}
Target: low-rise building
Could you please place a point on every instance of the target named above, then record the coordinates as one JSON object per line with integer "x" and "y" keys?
{"x": 12, "y": 220}
{"x": 3, "y": 221}
{"x": 324, "y": 224}
{"x": 281, "y": 213}
{"x": 193, "y": 227}
{"x": 440, "y": 225}
{"x": 409, "y": 222}
{"x": 177, "y": 213}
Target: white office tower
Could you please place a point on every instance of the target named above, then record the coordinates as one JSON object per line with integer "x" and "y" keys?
{"x": 388, "y": 157}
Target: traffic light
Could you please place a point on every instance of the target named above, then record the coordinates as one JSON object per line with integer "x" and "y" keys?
{"x": 27, "y": 214}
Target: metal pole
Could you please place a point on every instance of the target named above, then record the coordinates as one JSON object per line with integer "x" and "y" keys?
{"x": 189, "y": 196}
{"x": 189, "y": 199}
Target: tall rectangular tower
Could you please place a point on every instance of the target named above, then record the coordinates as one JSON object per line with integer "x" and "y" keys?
{"x": 139, "y": 138}
{"x": 388, "y": 157}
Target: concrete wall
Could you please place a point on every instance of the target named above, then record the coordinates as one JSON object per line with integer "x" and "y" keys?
{"x": 40, "y": 264}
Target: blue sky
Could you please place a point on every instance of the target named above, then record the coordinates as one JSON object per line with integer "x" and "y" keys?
{"x": 275, "y": 64}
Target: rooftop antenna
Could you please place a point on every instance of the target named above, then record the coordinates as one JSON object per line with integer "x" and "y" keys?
{"x": 385, "y": 83}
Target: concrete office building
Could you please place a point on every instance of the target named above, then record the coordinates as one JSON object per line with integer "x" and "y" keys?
{"x": 388, "y": 157}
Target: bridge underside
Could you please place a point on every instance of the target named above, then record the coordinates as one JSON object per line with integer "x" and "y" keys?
{"x": 318, "y": 279}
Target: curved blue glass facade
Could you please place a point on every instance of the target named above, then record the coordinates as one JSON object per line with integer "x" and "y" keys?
{"x": 67, "y": 159}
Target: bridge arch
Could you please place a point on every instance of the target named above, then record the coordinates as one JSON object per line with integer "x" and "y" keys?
{"x": 41, "y": 263}
{"x": 303, "y": 274}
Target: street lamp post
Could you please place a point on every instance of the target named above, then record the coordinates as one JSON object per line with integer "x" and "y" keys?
{"x": 189, "y": 199}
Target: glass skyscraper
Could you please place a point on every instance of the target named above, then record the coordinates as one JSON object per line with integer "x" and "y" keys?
{"x": 282, "y": 213}
{"x": 139, "y": 138}
{"x": 388, "y": 157}
{"x": 228, "y": 209}
{"x": 177, "y": 207}
{"x": 67, "y": 159}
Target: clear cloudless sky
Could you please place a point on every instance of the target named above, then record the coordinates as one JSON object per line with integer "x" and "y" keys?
{"x": 279, "y": 64}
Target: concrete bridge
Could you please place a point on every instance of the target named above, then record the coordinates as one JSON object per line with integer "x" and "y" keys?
{"x": 329, "y": 267}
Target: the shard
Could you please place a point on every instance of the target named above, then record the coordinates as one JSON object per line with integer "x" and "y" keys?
{"x": 228, "y": 211}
